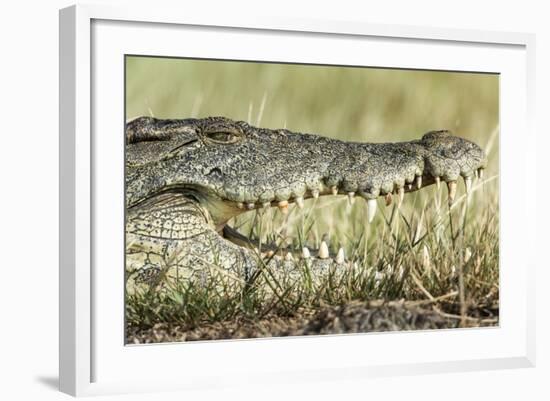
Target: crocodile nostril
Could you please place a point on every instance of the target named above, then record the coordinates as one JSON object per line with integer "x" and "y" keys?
{"x": 215, "y": 172}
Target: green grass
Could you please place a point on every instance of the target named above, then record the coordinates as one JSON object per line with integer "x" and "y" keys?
{"x": 421, "y": 252}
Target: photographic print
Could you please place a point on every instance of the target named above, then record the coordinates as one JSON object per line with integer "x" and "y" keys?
{"x": 273, "y": 199}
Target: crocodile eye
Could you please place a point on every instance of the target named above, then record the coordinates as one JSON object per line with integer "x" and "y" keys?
{"x": 224, "y": 137}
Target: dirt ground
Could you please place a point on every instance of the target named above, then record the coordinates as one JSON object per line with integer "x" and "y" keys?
{"x": 357, "y": 317}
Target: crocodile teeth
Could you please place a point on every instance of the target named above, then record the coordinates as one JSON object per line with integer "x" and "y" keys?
{"x": 401, "y": 193}
{"x": 451, "y": 186}
{"x": 305, "y": 253}
{"x": 300, "y": 202}
{"x": 250, "y": 206}
{"x": 266, "y": 205}
{"x": 240, "y": 205}
{"x": 409, "y": 186}
{"x": 315, "y": 193}
{"x": 283, "y": 206}
{"x": 371, "y": 209}
{"x": 468, "y": 184}
{"x": 480, "y": 173}
{"x": 340, "y": 257}
{"x": 388, "y": 199}
{"x": 323, "y": 250}
{"x": 334, "y": 190}
{"x": 438, "y": 182}
{"x": 419, "y": 181}
{"x": 269, "y": 253}
{"x": 351, "y": 197}
{"x": 289, "y": 257}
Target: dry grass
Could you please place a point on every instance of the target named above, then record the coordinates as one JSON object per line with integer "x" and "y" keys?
{"x": 444, "y": 258}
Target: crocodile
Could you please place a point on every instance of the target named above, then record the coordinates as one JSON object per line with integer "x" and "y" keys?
{"x": 186, "y": 178}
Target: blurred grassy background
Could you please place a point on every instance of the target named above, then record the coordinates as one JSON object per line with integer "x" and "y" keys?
{"x": 350, "y": 103}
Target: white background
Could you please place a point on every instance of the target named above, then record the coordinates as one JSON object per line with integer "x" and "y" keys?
{"x": 29, "y": 185}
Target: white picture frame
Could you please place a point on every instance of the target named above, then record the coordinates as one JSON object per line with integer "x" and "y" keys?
{"x": 86, "y": 367}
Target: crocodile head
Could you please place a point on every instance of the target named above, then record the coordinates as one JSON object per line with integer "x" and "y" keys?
{"x": 229, "y": 167}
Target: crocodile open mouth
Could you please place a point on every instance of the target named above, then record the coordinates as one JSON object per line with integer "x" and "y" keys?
{"x": 219, "y": 211}
{"x": 396, "y": 196}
